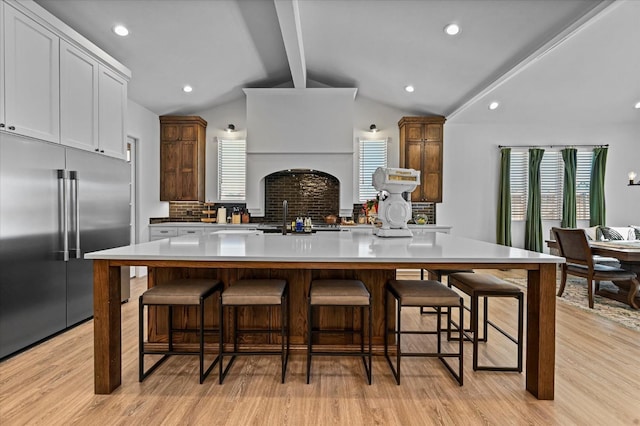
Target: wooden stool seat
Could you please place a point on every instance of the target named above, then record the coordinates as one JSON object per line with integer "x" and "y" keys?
{"x": 339, "y": 292}
{"x": 484, "y": 286}
{"x": 180, "y": 292}
{"x": 255, "y": 292}
{"x": 439, "y": 273}
{"x": 418, "y": 293}
{"x": 333, "y": 292}
{"x": 471, "y": 283}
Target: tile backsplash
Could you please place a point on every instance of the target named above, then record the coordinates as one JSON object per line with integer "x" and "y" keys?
{"x": 308, "y": 193}
{"x": 192, "y": 211}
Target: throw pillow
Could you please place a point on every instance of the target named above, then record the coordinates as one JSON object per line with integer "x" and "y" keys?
{"x": 610, "y": 233}
{"x": 636, "y": 229}
{"x": 592, "y": 233}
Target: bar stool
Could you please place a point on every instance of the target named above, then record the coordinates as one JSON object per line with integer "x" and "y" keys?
{"x": 255, "y": 292}
{"x": 346, "y": 293}
{"x": 417, "y": 293}
{"x": 484, "y": 286}
{"x": 439, "y": 273}
{"x": 181, "y": 292}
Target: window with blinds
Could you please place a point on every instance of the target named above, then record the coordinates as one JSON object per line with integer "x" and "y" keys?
{"x": 583, "y": 182}
{"x": 551, "y": 184}
{"x": 373, "y": 154}
{"x": 232, "y": 168}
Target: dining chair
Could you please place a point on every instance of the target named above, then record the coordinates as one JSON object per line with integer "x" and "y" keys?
{"x": 574, "y": 247}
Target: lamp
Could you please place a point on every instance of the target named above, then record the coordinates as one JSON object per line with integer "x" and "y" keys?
{"x": 230, "y": 128}
{"x": 373, "y": 128}
{"x": 632, "y": 178}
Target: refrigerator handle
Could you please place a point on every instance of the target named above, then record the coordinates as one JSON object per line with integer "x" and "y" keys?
{"x": 64, "y": 213}
{"x": 73, "y": 176}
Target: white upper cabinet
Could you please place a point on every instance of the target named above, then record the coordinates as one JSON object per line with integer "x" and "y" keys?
{"x": 112, "y": 111}
{"x": 56, "y": 85}
{"x": 78, "y": 98}
{"x": 31, "y": 78}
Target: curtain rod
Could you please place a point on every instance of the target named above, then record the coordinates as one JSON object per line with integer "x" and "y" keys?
{"x": 555, "y": 146}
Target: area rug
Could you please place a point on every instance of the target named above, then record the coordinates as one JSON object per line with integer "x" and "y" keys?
{"x": 575, "y": 294}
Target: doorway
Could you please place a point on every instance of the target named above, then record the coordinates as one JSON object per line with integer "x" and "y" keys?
{"x": 132, "y": 144}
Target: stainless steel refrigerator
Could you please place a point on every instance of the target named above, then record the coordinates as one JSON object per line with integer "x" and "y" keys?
{"x": 56, "y": 204}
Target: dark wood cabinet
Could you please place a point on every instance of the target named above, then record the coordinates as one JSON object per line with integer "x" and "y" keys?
{"x": 421, "y": 144}
{"x": 182, "y": 158}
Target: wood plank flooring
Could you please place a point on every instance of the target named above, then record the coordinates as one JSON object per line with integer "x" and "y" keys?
{"x": 597, "y": 382}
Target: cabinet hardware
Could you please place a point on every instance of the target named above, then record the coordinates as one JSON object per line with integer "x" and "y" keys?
{"x": 12, "y": 128}
{"x": 1, "y": 125}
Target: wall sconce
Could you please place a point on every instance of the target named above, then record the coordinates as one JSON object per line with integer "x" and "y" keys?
{"x": 230, "y": 128}
{"x": 632, "y": 178}
{"x": 373, "y": 128}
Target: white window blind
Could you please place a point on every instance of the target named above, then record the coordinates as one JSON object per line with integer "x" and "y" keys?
{"x": 232, "y": 169}
{"x": 583, "y": 181}
{"x": 373, "y": 154}
{"x": 519, "y": 184}
{"x": 551, "y": 184}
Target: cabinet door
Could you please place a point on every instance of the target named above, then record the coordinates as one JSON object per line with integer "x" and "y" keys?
{"x": 32, "y": 91}
{"x": 170, "y": 132}
{"x": 188, "y": 168}
{"x": 432, "y": 172}
{"x": 169, "y": 170}
{"x": 414, "y": 160}
{"x": 433, "y": 132}
{"x": 112, "y": 107}
{"x": 2, "y": 41}
{"x": 414, "y": 132}
{"x": 78, "y": 98}
{"x": 189, "y": 132}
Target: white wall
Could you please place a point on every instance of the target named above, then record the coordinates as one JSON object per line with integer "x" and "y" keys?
{"x": 144, "y": 126}
{"x": 365, "y": 113}
{"x": 471, "y": 172}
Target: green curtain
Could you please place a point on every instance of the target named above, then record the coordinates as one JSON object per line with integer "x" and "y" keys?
{"x": 533, "y": 229}
{"x": 503, "y": 230}
{"x": 570, "y": 158}
{"x": 597, "y": 210}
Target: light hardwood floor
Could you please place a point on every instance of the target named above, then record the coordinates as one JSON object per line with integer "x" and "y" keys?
{"x": 597, "y": 382}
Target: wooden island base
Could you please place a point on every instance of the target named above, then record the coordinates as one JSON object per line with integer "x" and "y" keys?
{"x": 268, "y": 317}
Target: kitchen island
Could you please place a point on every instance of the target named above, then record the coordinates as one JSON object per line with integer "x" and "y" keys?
{"x": 230, "y": 256}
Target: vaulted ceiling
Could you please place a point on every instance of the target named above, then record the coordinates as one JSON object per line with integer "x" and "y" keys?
{"x": 571, "y": 60}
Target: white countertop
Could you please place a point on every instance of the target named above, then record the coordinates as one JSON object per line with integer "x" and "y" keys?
{"x": 256, "y": 224}
{"x": 345, "y": 247}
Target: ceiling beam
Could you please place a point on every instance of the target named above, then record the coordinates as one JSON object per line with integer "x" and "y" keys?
{"x": 289, "y": 19}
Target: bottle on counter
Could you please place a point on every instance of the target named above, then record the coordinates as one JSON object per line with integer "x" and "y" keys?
{"x": 299, "y": 224}
{"x": 222, "y": 215}
{"x": 307, "y": 224}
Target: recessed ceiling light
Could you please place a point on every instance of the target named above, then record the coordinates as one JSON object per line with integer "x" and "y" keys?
{"x": 121, "y": 30}
{"x": 637, "y": 106}
{"x": 452, "y": 29}
{"x": 187, "y": 89}
{"x": 409, "y": 88}
{"x": 493, "y": 105}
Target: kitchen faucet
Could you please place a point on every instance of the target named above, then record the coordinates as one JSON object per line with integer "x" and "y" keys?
{"x": 285, "y": 207}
